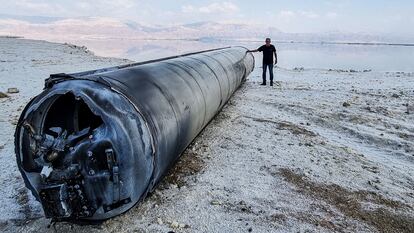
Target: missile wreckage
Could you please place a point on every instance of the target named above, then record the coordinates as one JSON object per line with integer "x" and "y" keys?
{"x": 95, "y": 143}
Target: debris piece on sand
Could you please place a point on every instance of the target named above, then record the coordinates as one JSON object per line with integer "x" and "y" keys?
{"x": 12, "y": 90}
{"x": 3, "y": 95}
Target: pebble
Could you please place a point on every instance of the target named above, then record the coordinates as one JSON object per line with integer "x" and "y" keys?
{"x": 346, "y": 104}
{"x": 159, "y": 221}
{"x": 175, "y": 224}
{"x": 215, "y": 202}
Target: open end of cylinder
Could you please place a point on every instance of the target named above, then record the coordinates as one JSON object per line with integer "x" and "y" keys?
{"x": 72, "y": 160}
{"x": 68, "y": 155}
{"x": 84, "y": 151}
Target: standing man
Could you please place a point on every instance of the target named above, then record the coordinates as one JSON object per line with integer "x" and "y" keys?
{"x": 268, "y": 50}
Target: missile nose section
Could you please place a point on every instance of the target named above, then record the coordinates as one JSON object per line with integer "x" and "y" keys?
{"x": 93, "y": 144}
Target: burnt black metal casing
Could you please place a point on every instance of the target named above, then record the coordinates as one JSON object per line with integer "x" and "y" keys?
{"x": 93, "y": 144}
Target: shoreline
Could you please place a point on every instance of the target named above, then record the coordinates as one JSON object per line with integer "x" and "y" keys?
{"x": 202, "y": 39}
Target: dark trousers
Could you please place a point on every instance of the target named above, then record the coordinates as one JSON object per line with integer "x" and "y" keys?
{"x": 270, "y": 72}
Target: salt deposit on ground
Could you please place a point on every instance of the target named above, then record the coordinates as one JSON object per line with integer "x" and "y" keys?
{"x": 322, "y": 150}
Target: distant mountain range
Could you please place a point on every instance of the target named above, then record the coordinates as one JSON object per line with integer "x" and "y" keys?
{"x": 39, "y": 27}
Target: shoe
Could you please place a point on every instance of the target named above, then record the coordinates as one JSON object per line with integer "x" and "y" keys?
{"x": 271, "y": 83}
{"x": 263, "y": 84}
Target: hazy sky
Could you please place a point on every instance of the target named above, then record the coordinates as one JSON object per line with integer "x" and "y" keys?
{"x": 291, "y": 16}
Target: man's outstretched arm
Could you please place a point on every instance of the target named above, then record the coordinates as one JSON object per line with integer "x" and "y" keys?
{"x": 275, "y": 57}
{"x": 252, "y": 51}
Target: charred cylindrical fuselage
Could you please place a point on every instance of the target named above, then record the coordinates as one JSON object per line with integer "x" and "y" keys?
{"x": 93, "y": 144}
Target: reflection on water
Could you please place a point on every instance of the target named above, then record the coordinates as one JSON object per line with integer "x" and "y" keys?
{"x": 291, "y": 55}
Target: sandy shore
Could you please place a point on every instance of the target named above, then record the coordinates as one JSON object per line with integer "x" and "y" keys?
{"x": 321, "y": 151}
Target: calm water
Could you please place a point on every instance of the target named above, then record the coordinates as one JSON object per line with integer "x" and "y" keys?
{"x": 291, "y": 55}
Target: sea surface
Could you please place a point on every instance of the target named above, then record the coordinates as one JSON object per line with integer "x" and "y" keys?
{"x": 290, "y": 54}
